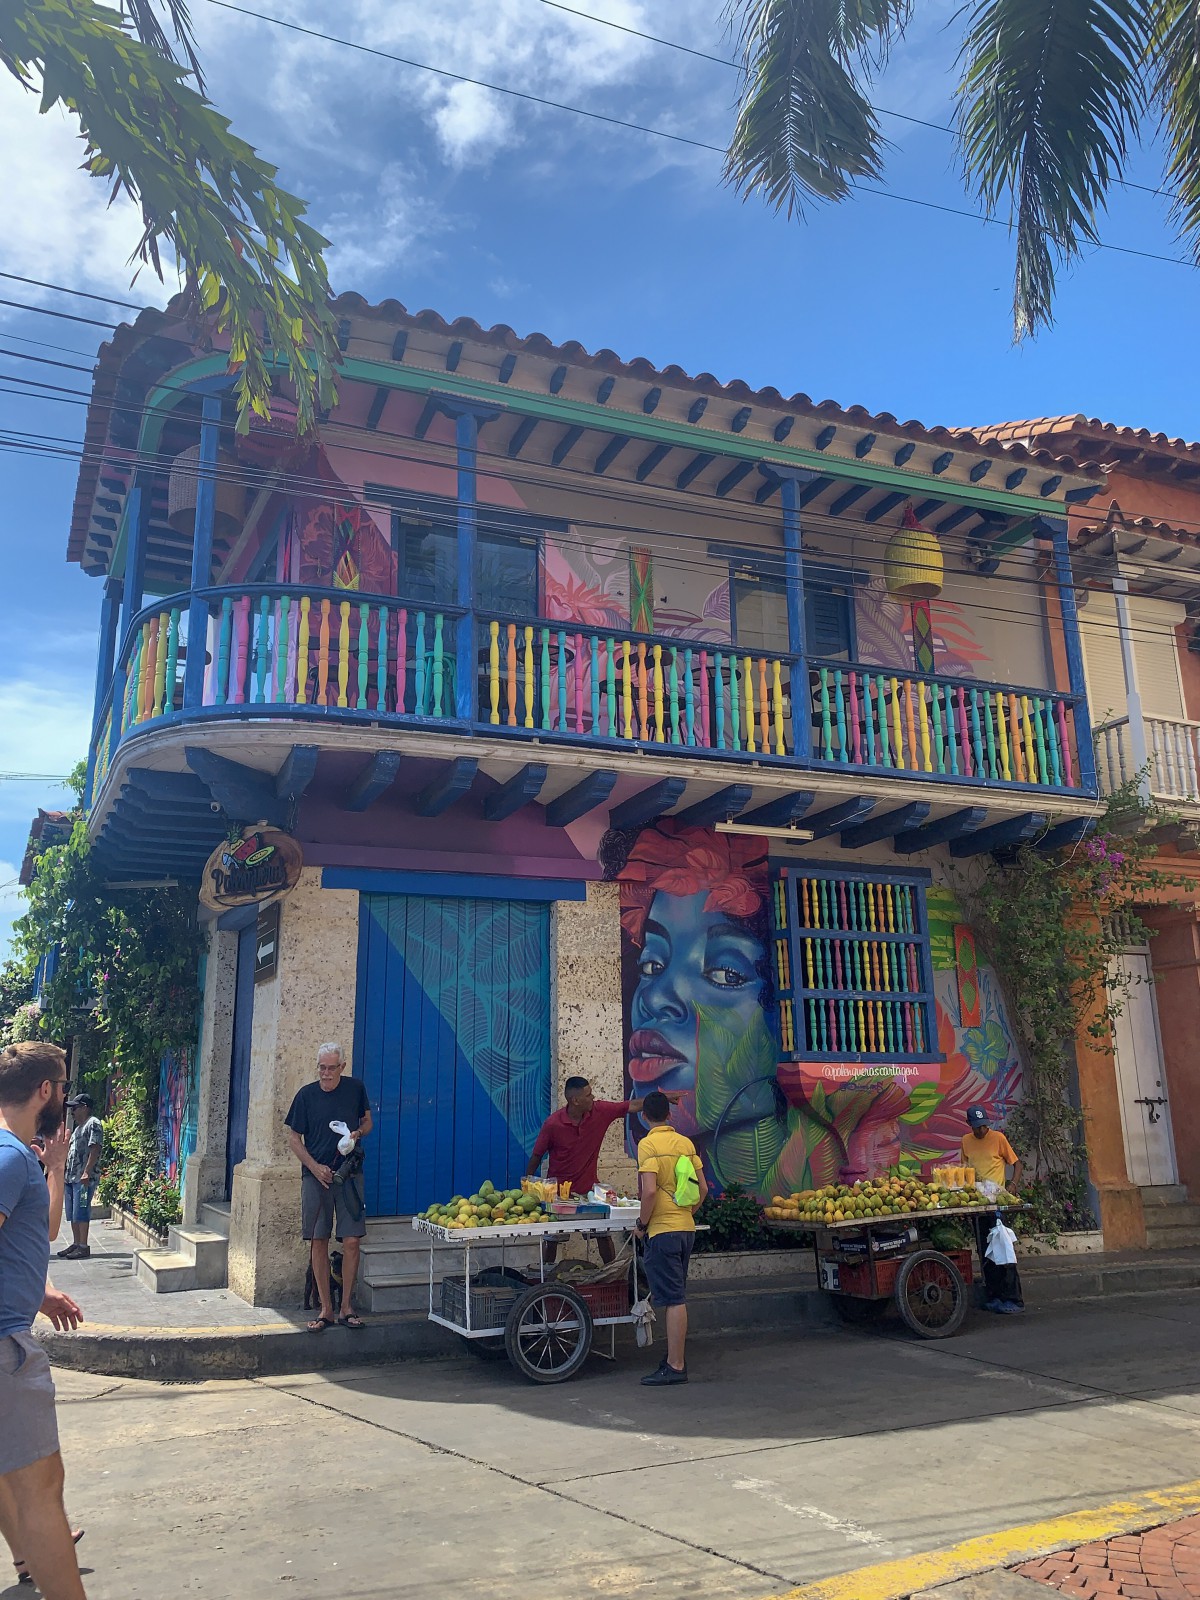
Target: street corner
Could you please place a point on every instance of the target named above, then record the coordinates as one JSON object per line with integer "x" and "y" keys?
{"x": 1162, "y": 1562}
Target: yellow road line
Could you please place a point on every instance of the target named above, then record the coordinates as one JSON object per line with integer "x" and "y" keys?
{"x": 891, "y": 1580}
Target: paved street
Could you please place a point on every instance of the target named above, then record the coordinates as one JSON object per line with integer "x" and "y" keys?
{"x": 786, "y": 1461}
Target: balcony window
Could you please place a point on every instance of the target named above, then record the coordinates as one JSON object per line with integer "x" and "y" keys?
{"x": 506, "y": 563}
{"x": 760, "y": 616}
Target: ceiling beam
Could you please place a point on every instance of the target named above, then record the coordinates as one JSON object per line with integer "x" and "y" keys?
{"x": 840, "y": 816}
{"x": 591, "y": 792}
{"x": 375, "y": 779}
{"x": 781, "y": 812}
{"x": 952, "y": 826}
{"x": 1013, "y": 830}
{"x": 719, "y": 807}
{"x": 885, "y": 826}
{"x": 650, "y": 804}
{"x": 518, "y": 791}
{"x": 455, "y": 778}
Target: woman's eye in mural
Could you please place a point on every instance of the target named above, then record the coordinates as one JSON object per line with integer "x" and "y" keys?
{"x": 730, "y": 959}
{"x": 725, "y": 977}
{"x": 655, "y": 957}
{"x": 650, "y": 968}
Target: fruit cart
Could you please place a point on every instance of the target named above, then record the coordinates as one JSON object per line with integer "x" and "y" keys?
{"x": 863, "y": 1264}
{"x": 544, "y": 1327}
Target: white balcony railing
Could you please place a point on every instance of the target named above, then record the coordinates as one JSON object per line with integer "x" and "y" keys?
{"x": 1172, "y": 756}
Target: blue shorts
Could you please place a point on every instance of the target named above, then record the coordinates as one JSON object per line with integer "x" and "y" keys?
{"x": 666, "y": 1260}
{"x": 77, "y": 1202}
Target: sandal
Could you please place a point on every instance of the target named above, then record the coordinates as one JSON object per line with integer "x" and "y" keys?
{"x": 23, "y": 1573}
{"x": 319, "y": 1324}
{"x": 351, "y": 1320}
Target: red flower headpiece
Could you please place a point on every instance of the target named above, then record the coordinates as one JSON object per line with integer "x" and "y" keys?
{"x": 685, "y": 861}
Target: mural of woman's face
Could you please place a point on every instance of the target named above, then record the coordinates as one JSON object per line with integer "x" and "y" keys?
{"x": 691, "y": 961}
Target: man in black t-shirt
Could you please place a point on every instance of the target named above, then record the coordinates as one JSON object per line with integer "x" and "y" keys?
{"x": 314, "y": 1143}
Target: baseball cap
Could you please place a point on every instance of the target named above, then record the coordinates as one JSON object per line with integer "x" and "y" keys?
{"x": 978, "y": 1117}
{"x": 82, "y": 1100}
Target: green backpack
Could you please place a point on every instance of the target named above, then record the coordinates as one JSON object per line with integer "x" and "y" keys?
{"x": 687, "y": 1185}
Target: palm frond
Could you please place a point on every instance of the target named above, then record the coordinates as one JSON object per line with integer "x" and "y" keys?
{"x": 143, "y": 14}
{"x": 805, "y": 129}
{"x": 1050, "y": 92}
{"x": 1175, "y": 84}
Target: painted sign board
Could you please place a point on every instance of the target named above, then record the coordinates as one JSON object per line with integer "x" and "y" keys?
{"x": 262, "y": 865}
{"x": 266, "y": 943}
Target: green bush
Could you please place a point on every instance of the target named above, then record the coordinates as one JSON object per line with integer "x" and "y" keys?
{"x": 157, "y": 1203}
{"x": 734, "y": 1221}
{"x": 130, "y": 1154}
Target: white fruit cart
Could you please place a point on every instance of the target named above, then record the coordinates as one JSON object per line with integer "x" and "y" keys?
{"x": 545, "y": 1327}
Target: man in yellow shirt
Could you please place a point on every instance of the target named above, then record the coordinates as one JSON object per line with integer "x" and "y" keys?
{"x": 987, "y": 1150}
{"x": 667, "y": 1226}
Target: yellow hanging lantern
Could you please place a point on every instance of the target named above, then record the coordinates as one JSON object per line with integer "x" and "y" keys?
{"x": 912, "y": 562}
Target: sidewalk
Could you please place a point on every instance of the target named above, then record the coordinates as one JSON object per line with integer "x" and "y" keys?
{"x": 201, "y": 1333}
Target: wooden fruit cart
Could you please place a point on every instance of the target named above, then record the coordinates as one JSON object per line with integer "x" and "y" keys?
{"x": 544, "y": 1327}
{"x": 864, "y": 1264}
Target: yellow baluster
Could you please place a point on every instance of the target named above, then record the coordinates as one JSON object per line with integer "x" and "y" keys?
{"x": 344, "y": 653}
{"x": 912, "y": 725}
{"x": 302, "y": 652}
{"x": 626, "y": 690}
{"x": 1014, "y": 724}
{"x": 658, "y": 694}
{"x": 146, "y": 680}
{"x": 643, "y": 695}
{"x": 1002, "y": 730}
{"x": 323, "y": 655}
{"x": 160, "y": 662}
{"x": 764, "y": 705}
{"x": 1031, "y": 766}
{"x": 494, "y": 669}
{"x": 898, "y": 736}
{"x": 512, "y": 674}
{"x": 777, "y": 698}
{"x": 924, "y": 720}
{"x": 529, "y": 677}
{"x": 748, "y": 680}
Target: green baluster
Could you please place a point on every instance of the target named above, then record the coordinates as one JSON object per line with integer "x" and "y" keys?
{"x": 595, "y": 685}
{"x": 223, "y": 649}
{"x": 422, "y": 677}
{"x": 990, "y": 729}
{"x": 939, "y": 742}
{"x": 689, "y": 705}
{"x": 172, "y": 658}
{"x": 364, "y": 652}
{"x": 262, "y": 633}
{"x": 719, "y": 698}
{"x": 826, "y": 719}
{"x": 439, "y": 664}
{"x": 839, "y": 703}
{"x": 282, "y": 646}
{"x": 976, "y": 733}
{"x": 869, "y": 713}
{"x": 881, "y": 711}
{"x": 1040, "y": 740}
{"x": 133, "y": 685}
{"x": 674, "y": 692}
{"x": 545, "y": 677}
{"x": 1052, "y": 744}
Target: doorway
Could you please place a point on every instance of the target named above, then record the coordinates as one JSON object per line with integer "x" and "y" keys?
{"x": 1141, "y": 1078}
{"x": 239, "y": 1056}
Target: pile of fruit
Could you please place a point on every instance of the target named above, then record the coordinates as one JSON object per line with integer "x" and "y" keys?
{"x": 877, "y": 1197}
{"x": 489, "y": 1208}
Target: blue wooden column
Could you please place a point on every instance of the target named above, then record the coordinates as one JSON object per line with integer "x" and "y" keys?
{"x": 1056, "y": 527}
{"x": 110, "y": 610}
{"x": 202, "y": 545}
{"x": 137, "y": 517}
{"x": 791, "y": 482}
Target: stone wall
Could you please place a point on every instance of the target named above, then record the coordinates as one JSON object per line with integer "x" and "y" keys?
{"x": 309, "y": 1000}
{"x": 204, "y": 1176}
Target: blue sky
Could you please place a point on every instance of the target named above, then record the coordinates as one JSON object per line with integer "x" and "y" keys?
{"x": 475, "y": 204}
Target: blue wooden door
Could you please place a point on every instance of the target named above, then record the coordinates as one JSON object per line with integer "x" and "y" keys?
{"x": 453, "y": 1043}
{"x": 239, "y": 1064}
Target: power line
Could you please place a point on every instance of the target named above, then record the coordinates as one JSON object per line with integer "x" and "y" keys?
{"x": 82, "y": 294}
{"x": 65, "y": 316}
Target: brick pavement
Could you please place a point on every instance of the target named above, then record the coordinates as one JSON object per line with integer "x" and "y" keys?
{"x": 1161, "y": 1564}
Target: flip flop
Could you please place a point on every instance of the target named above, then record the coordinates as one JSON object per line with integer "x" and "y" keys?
{"x": 351, "y": 1320}
{"x": 319, "y": 1324}
{"x": 23, "y": 1573}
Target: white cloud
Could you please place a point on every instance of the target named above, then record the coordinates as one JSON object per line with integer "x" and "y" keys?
{"x": 376, "y": 229}
{"x": 44, "y": 727}
{"x": 12, "y": 904}
{"x": 58, "y": 224}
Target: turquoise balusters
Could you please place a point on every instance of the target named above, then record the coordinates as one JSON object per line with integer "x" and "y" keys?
{"x": 826, "y": 719}
{"x": 689, "y": 697}
{"x": 1052, "y": 744}
{"x": 674, "y": 693}
{"x": 939, "y": 738}
{"x": 976, "y": 733}
{"x": 990, "y": 728}
{"x": 422, "y": 677}
{"x": 282, "y": 649}
{"x": 951, "y": 738}
{"x": 223, "y": 649}
{"x": 719, "y": 698}
{"x": 1040, "y": 739}
{"x": 439, "y": 664}
{"x": 839, "y": 703}
{"x": 595, "y": 685}
{"x": 869, "y": 718}
{"x": 881, "y": 711}
{"x": 562, "y": 681}
{"x": 262, "y": 632}
{"x": 546, "y": 678}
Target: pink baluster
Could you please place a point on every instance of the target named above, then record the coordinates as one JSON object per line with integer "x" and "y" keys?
{"x": 241, "y": 649}
{"x": 577, "y": 670}
{"x": 964, "y": 737}
{"x": 1064, "y": 748}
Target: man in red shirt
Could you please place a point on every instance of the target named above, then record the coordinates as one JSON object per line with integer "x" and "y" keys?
{"x": 572, "y": 1137}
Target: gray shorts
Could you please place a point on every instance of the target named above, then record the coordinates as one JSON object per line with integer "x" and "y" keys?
{"x": 341, "y": 1202}
{"x": 28, "y": 1425}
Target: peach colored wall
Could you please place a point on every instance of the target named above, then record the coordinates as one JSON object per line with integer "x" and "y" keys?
{"x": 1175, "y": 955}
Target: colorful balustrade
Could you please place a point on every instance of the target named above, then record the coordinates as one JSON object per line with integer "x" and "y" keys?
{"x": 867, "y": 716}
{"x": 558, "y": 678}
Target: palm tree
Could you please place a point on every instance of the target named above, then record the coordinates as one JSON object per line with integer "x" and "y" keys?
{"x": 1052, "y": 95}
{"x": 252, "y": 267}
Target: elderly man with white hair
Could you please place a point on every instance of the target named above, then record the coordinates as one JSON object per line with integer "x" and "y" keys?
{"x": 330, "y": 1111}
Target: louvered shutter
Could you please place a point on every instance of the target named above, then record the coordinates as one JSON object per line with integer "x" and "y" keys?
{"x": 1155, "y": 651}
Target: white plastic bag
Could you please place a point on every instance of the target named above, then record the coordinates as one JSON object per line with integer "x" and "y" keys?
{"x": 1000, "y": 1245}
{"x": 345, "y": 1143}
{"x": 643, "y": 1317}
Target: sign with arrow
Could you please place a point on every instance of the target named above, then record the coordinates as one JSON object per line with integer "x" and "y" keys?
{"x": 266, "y": 943}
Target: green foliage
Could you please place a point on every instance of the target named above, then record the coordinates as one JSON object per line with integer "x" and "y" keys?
{"x": 1053, "y": 93}
{"x": 130, "y": 1154}
{"x": 948, "y": 1233}
{"x": 1051, "y": 926}
{"x": 127, "y": 980}
{"x": 157, "y": 1203}
{"x": 735, "y": 1222}
{"x": 252, "y": 266}
{"x": 1055, "y": 1204}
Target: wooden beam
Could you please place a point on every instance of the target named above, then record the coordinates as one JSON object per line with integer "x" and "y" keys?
{"x": 507, "y": 367}
{"x": 980, "y": 470}
{"x": 1050, "y": 484}
{"x": 378, "y": 400}
{"x": 518, "y": 791}
{"x": 297, "y": 772}
{"x": 768, "y": 487}
{"x": 942, "y": 462}
{"x": 927, "y": 508}
{"x": 693, "y": 469}
{"x": 428, "y": 411}
{"x": 557, "y": 378}
{"x": 176, "y": 788}
{"x": 719, "y": 807}
{"x": 375, "y": 779}
{"x": 343, "y": 333}
{"x": 454, "y": 355}
{"x": 733, "y": 477}
{"x": 905, "y": 453}
{"x": 889, "y": 502}
{"x": 782, "y": 811}
{"x": 840, "y": 816}
{"x": 450, "y": 785}
{"x": 400, "y": 345}
{"x": 650, "y": 401}
{"x": 1016, "y": 478}
{"x": 847, "y": 498}
{"x": 782, "y": 428}
{"x": 610, "y": 452}
{"x": 520, "y": 436}
{"x": 942, "y": 831}
{"x": 865, "y": 445}
{"x": 246, "y": 793}
{"x": 565, "y": 445}
{"x": 589, "y": 793}
{"x": 886, "y": 826}
{"x": 697, "y": 409}
{"x": 811, "y": 490}
{"x": 826, "y": 437}
{"x": 604, "y": 391}
{"x": 651, "y": 803}
{"x": 739, "y": 420}
{"x": 651, "y": 460}
{"x": 1067, "y": 833}
{"x": 1013, "y": 830}
{"x": 955, "y": 517}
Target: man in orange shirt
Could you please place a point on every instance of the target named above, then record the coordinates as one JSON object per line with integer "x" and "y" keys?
{"x": 987, "y": 1150}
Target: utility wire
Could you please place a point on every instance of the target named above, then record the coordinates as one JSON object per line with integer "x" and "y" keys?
{"x": 82, "y": 294}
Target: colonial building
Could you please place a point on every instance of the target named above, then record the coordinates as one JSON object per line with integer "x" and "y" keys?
{"x": 1136, "y": 553}
{"x": 627, "y": 723}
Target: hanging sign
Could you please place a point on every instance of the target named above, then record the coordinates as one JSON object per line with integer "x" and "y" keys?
{"x": 266, "y": 943}
{"x": 262, "y": 865}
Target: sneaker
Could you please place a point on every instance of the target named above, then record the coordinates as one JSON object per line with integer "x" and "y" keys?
{"x": 83, "y": 1253}
{"x": 995, "y": 1305}
{"x": 665, "y": 1376}
{"x": 70, "y": 1253}
{"x": 1013, "y": 1308}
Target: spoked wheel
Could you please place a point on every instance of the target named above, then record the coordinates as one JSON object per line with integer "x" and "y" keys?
{"x": 548, "y": 1333}
{"x": 931, "y": 1295}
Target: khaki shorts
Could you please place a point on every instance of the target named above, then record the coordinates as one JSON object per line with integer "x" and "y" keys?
{"x": 28, "y": 1425}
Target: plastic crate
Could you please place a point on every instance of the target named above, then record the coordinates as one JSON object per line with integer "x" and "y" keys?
{"x": 490, "y": 1303}
{"x": 606, "y": 1299}
{"x": 855, "y": 1278}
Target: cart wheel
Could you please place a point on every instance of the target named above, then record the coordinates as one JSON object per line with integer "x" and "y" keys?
{"x": 548, "y": 1333}
{"x": 852, "y": 1309}
{"x": 931, "y": 1295}
{"x": 487, "y": 1349}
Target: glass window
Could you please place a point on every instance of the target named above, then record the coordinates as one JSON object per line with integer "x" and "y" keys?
{"x": 506, "y": 574}
{"x": 506, "y": 565}
{"x": 426, "y": 559}
{"x": 760, "y": 617}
